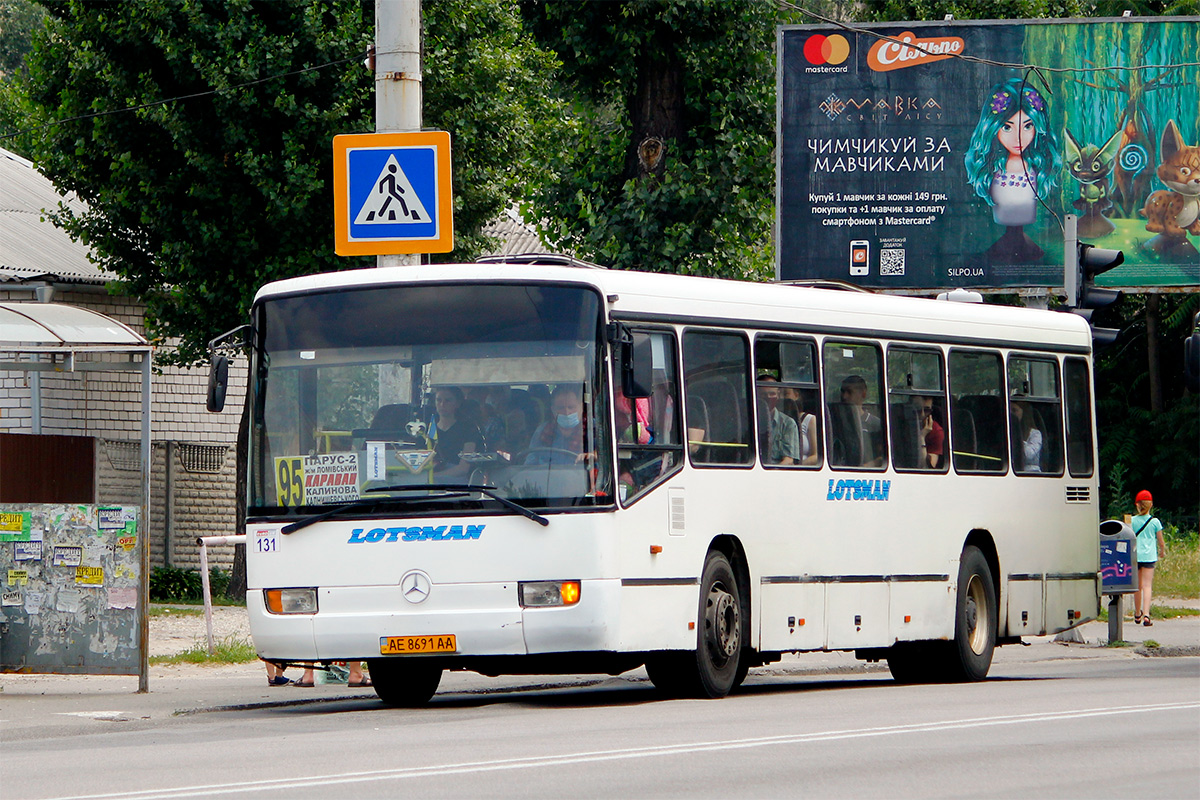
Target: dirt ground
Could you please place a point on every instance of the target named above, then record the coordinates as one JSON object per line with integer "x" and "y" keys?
{"x": 175, "y": 631}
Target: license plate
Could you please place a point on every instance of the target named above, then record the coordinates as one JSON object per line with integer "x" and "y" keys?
{"x": 398, "y": 645}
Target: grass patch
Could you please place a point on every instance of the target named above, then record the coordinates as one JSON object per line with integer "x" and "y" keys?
{"x": 1118, "y": 643}
{"x": 1178, "y": 571}
{"x": 230, "y": 650}
{"x": 1151, "y": 643}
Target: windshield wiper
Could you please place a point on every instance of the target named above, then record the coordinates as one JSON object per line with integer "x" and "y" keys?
{"x": 449, "y": 491}
{"x": 460, "y": 490}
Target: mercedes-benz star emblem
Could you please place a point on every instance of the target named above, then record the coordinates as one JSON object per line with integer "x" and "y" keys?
{"x": 415, "y": 586}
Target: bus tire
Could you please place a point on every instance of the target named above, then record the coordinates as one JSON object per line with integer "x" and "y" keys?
{"x": 404, "y": 682}
{"x": 975, "y": 619}
{"x": 914, "y": 662}
{"x": 712, "y": 670}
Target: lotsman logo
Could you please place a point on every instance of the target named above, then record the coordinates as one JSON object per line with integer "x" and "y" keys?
{"x": 427, "y": 533}
{"x": 887, "y": 55}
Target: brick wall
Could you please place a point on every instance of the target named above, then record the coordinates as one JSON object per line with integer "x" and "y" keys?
{"x": 107, "y": 405}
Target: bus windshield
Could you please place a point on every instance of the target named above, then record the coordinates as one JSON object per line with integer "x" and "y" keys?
{"x": 498, "y": 385}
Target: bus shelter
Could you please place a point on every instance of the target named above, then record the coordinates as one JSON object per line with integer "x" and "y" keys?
{"x": 76, "y": 574}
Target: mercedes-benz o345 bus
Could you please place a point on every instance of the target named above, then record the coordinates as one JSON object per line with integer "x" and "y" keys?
{"x": 692, "y": 474}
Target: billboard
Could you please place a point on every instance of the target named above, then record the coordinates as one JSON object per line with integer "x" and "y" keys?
{"x": 932, "y": 159}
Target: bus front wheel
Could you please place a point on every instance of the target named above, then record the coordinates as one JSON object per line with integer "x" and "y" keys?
{"x": 713, "y": 669}
{"x": 975, "y": 620}
{"x": 404, "y": 682}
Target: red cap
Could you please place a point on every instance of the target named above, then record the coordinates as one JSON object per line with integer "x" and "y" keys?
{"x": 1144, "y": 495}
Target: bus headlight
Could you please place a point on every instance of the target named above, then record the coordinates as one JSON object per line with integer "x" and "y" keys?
{"x": 549, "y": 593}
{"x": 291, "y": 601}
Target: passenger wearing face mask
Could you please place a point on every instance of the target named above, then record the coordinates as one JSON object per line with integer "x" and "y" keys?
{"x": 560, "y": 441}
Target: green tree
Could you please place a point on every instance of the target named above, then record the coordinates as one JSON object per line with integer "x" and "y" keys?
{"x": 667, "y": 163}
{"x": 196, "y": 202}
{"x": 18, "y": 20}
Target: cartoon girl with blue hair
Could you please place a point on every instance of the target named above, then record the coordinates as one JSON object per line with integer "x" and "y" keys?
{"x": 1013, "y": 161}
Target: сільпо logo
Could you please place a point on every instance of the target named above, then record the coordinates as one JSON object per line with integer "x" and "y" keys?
{"x": 821, "y": 49}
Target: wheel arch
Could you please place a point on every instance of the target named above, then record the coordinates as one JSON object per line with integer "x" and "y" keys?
{"x": 731, "y": 547}
{"x": 981, "y": 539}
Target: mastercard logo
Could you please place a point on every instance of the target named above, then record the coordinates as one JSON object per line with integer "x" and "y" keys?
{"x": 821, "y": 49}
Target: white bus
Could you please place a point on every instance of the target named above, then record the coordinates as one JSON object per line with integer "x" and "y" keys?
{"x": 529, "y": 467}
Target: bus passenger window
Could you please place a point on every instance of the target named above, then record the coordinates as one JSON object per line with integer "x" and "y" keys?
{"x": 978, "y": 429}
{"x": 853, "y": 389}
{"x": 1078, "y": 387}
{"x": 789, "y": 430}
{"x": 717, "y": 376}
{"x": 917, "y": 409}
{"x": 1035, "y": 424}
{"x": 649, "y": 446}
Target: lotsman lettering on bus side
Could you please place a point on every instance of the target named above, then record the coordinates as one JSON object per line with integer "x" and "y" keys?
{"x": 859, "y": 490}
{"x": 428, "y": 533}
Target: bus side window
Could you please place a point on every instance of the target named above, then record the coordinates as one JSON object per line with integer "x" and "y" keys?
{"x": 648, "y": 430}
{"x": 717, "y": 380}
{"x": 789, "y": 425}
{"x": 1078, "y": 387}
{"x": 917, "y": 412}
{"x": 1035, "y": 416}
{"x": 853, "y": 393}
{"x": 978, "y": 430}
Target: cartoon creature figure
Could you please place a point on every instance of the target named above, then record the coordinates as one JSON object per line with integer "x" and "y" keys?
{"x": 1175, "y": 213}
{"x": 1012, "y": 162}
{"x": 1091, "y": 166}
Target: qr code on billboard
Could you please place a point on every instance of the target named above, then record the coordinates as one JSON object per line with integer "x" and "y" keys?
{"x": 891, "y": 262}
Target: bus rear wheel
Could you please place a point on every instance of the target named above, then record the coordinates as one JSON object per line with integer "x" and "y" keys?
{"x": 713, "y": 670}
{"x": 975, "y": 619}
{"x": 404, "y": 682}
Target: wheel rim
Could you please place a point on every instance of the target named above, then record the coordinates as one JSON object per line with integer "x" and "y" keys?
{"x": 976, "y": 616}
{"x": 722, "y": 623}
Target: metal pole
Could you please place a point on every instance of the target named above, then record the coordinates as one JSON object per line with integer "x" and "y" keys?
{"x": 398, "y": 81}
{"x": 1116, "y": 619}
{"x": 207, "y": 594}
{"x": 1071, "y": 259}
{"x": 144, "y": 533}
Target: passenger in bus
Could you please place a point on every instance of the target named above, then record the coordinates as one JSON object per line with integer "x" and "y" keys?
{"x": 560, "y": 440}
{"x": 932, "y": 436}
{"x": 869, "y": 426}
{"x": 451, "y": 435}
{"x": 1030, "y": 437}
{"x": 793, "y": 406}
{"x": 782, "y": 445}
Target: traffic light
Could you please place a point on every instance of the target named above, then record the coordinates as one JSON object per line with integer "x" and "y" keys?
{"x": 1083, "y": 296}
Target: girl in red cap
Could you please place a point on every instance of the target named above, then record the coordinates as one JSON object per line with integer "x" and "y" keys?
{"x": 1149, "y": 545}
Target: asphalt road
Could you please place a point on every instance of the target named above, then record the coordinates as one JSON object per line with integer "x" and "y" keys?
{"x": 1069, "y": 728}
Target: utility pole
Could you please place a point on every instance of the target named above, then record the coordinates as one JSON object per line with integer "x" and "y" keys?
{"x": 398, "y": 81}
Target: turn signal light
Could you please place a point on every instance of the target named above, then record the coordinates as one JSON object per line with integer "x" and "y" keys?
{"x": 291, "y": 601}
{"x": 549, "y": 593}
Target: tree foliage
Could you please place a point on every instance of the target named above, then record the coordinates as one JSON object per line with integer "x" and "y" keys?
{"x": 18, "y": 21}
{"x": 196, "y": 202}
{"x": 667, "y": 163}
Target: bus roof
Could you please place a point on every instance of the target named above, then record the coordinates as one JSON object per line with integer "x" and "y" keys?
{"x": 650, "y": 297}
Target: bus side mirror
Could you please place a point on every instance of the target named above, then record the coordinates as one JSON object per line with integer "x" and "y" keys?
{"x": 218, "y": 382}
{"x": 637, "y": 373}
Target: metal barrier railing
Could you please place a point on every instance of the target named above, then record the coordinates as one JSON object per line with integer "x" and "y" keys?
{"x": 205, "y": 542}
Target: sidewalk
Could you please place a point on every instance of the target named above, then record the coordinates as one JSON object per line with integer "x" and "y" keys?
{"x": 63, "y": 705}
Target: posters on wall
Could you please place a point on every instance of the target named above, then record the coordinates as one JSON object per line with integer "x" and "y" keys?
{"x": 930, "y": 160}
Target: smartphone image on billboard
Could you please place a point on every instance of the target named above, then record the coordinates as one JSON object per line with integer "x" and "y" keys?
{"x": 860, "y": 257}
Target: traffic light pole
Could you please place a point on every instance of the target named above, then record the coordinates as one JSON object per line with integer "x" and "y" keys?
{"x": 1071, "y": 260}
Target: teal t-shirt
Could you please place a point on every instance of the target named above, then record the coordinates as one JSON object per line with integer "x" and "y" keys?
{"x": 1147, "y": 540}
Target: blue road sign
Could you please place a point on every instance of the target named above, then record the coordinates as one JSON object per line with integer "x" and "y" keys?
{"x": 392, "y": 193}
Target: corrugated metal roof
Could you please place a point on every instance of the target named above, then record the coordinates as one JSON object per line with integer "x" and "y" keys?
{"x": 515, "y": 236}
{"x": 32, "y": 247}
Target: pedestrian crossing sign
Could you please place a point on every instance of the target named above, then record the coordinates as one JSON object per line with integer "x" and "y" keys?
{"x": 392, "y": 193}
